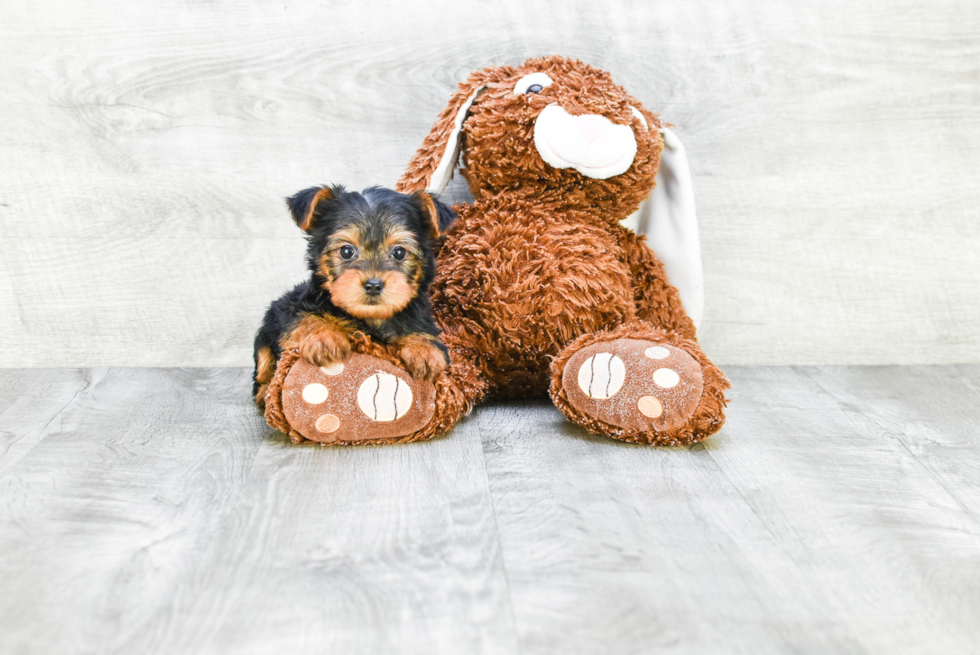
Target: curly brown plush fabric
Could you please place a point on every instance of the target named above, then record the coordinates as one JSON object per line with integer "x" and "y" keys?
{"x": 538, "y": 266}
{"x": 539, "y": 288}
{"x": 498, "y": 146}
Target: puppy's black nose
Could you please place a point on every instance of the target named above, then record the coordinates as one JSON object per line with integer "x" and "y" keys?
{"x": 374, "y": 286}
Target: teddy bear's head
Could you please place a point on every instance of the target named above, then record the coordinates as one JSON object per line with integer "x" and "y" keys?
{"x": 550, "y": 127}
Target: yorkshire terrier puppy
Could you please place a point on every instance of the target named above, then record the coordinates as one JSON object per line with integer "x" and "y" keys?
{"x": 371, "y": 259}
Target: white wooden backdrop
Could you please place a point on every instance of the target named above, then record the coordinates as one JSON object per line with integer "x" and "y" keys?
{"x": 145, "y": 149}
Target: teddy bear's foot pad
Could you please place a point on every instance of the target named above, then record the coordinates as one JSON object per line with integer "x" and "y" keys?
{"x": 362, "y": 399}
{"x": 634, "y": 384}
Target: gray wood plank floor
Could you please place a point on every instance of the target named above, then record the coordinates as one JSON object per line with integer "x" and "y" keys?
{"x": 152, "y": 511}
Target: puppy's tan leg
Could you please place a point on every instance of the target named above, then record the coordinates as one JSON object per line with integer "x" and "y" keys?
{"x": 260, "y": 396}
{"x": 265, "y": 368}
{"x": 422, "y": 358}
{"x": 321, "y": 340}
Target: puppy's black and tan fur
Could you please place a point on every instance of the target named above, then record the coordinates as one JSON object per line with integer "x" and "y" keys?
{"x": 371, "y": 259}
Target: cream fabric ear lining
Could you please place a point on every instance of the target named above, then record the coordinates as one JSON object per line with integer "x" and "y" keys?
{"x": 444, "y": 171}
{"x": 670, "y": 223}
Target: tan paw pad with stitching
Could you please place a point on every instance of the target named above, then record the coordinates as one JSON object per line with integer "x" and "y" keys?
{"x": 362, "y": 399}
{"x": 634, "y": 384}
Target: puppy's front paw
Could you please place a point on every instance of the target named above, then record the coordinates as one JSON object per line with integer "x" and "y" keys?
{"x": 422, "y": 358}
{"x": 324, "y": 347}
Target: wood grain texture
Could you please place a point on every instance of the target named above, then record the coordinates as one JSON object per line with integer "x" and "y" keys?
{"x": 32, "y": 403}
{"x": 158, "y": 514}
{"x": 145, "y": 151}
{"x": 150, "y": 511}
{"x": 836, "y": 512}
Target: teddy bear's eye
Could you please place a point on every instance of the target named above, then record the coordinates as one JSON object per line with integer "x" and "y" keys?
{"x": 347, "y": 252}
{"x": 533, "y": 83}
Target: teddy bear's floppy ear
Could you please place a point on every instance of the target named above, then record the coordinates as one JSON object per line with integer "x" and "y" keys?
{"x": 438, "y": 215}
{"x": 432, "y": 166}
{"x": 303, "y": 205}
{"x": 668, "y": 220}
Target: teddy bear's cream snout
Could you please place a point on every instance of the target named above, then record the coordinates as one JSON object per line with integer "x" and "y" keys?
{"x": 591, "y": 144}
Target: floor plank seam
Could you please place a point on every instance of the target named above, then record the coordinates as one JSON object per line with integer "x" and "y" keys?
{"x": 897, "y": 438}
{"x": 500, "y": 544}
{"x": 7, "y": 466}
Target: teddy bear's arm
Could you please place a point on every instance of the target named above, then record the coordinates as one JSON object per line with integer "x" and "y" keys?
{"x": 657, "y": 301}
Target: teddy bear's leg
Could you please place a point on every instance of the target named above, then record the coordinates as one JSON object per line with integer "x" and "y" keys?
{"x": 457, "y": 391}
{"x": 639, "y": 383}
{"x": 369, "y": 398}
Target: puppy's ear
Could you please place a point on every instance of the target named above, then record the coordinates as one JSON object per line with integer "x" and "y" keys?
{"x": 438, "y": 216}
{"x": 303, "y": 206}
{"x": 432, "y": 166}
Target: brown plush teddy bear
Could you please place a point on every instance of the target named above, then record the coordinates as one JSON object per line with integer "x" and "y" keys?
{"x": 539, "y": 287}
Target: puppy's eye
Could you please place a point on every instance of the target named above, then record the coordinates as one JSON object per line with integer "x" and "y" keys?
{"x": 533, "y": 83}
{"x": 398, "y": 253}
{"x": 347, "y": 252}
